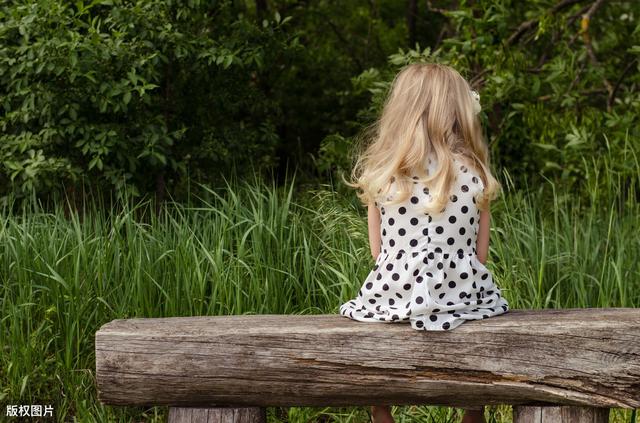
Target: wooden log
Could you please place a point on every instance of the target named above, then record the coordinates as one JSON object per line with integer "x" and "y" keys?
{"x": 559, "y": 414}
{"x": 217, "y": 415}
{"x": 550, "y": 357}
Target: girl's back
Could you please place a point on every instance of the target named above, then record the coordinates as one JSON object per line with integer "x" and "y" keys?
{"x": 427, "y": 271}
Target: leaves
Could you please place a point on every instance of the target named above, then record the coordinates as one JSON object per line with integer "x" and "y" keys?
{"x": 107, "y": 89}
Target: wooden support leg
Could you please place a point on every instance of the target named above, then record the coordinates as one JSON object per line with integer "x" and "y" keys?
{"x": 217, "y": 415}
{"x": 559, "y": 414}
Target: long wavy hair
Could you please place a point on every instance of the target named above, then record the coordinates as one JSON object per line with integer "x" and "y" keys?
{"x": 429, "y": 109}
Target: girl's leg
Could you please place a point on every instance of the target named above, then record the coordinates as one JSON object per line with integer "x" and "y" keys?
{"x": 381, "y": 414}
{"x": 473, "y": 414}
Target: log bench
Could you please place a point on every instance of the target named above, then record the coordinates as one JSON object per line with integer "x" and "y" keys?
{"x": 569, "y": 365}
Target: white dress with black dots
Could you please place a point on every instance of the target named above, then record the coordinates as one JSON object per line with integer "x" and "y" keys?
{"x": 427, "y": 271}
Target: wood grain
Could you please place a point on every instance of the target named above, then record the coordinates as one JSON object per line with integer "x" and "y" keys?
{"x": 559, "y": 414}
{"x": 585, "y": 356}
{"x": 217, "y": 415}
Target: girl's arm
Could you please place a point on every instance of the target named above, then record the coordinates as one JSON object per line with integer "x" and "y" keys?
{"x": 482, "y": 243}
{"x": 373, "y": 219}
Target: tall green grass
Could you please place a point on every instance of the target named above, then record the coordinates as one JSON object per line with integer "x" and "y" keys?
{"x": 252, "y": 247}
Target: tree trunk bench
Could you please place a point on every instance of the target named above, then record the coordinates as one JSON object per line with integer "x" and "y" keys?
{"x": 569, "y": 365}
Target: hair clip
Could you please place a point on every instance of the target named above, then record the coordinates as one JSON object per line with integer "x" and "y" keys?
{"x": 476, "y": 103}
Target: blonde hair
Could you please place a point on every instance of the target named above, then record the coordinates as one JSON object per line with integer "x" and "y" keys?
{"x": 430, "y": 108}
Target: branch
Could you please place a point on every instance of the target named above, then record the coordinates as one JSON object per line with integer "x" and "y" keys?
{"x": 584, "y": 30}
{"x": 612, "y": 96}
{"x": 532, "y": 23}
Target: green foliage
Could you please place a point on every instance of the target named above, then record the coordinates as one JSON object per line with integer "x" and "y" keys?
{"x": 125, "y": 92}
{"x": 557, "y": 95}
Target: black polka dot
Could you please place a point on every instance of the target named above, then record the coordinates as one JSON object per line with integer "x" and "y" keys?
{"x": 452, "y": 284}
{"x": 392, "y": 301}
{"x": 419, "y": 279}
{"x": 445, "y": 325}
{"x": 391, "y": 221}
{"x": 475, "y": 180}
{"x": 390, "y": 266}
{"x": 450, "y": 241}
{"x": 440, "y": 266}
{"x": 425, "y": 231}
{"x": 452, "y": 219}
{"x": 415, "y": 272}
{"x": 414, "y": 200}
{"x": 462, "y": 231}
{"x": 414, "y": 221}
{"x": 453, "y": 198}
{"x": 392, "y": 242}
{"x": 464, "y": 275}
{"x": 439, "y": 229}
{"x": 464, "y": 209}
{"x": 419, "y": 300}
{"x": 464, "y": 188}
{"x": 437, "y": 286}
{"x": 369, "y": 285}
{"x": 407, "y": 286}
{"x": 395, "y": 276}
{"x": 433, "y": 317}
{"x": 402, "y": 231}
{"x": 413, "y": 242}
{"x": 463, "y": 294}
{"x": 402, "y": 210}
{"x": 419, "y": 324}
{"x": 385, "y": 287}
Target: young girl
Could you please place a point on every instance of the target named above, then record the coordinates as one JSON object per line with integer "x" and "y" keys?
{"x": 426, "y": 180}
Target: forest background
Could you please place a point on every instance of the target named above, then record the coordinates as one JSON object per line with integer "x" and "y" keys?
{"x": 164, "y": 158}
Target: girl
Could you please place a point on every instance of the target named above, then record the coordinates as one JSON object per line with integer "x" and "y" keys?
{"x": 426, "y": 180}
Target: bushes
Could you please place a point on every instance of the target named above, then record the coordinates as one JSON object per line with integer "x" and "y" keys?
{"x": 132, "y": 93}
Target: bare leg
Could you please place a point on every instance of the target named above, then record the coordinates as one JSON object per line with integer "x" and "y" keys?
{"x": 381, "y": 414}
{"x": 473, "y": 415}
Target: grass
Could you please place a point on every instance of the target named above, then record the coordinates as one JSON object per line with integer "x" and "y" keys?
{"x": 252, "y": 247}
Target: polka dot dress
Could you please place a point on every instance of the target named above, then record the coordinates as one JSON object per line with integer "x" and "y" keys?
{"x": 427, "y": 271}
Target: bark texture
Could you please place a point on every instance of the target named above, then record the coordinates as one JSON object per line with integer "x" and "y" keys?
{"x": 585, "y": 357}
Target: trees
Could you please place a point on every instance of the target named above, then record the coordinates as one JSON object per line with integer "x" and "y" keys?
{"x": 559, "y": 85}
{"x": 132, "y": 93}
